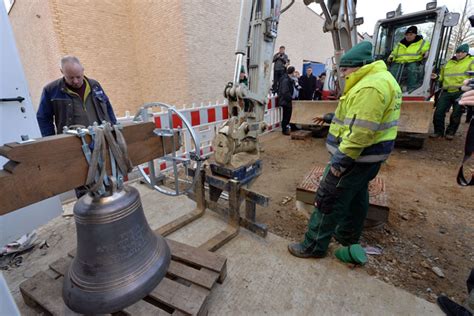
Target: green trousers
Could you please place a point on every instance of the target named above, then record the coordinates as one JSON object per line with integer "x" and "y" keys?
{"x": 413, "y": 72}
{"x": 445, "y": 101}
{"x": 346, "y": 221}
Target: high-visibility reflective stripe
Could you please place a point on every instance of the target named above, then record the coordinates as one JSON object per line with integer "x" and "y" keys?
{"x": 421, "y": 46}
{"x": 452, "y": 87}
{"x": 362, "y": 123}
{"x": 409, "y": 54}
{"x": 461, "y": 74}
{"x": 388, "y": 125}
{"x": 370, "y": 125}
{"x": 338, "y": 121}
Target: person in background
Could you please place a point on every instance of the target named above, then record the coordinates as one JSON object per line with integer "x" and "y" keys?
{"x": 451, "y": 308}
{"x": 72, "y": 100}
{"x": 285, "y": 97}
{"x": 280, "y": 60}
{"x": 452, "y": 76}
{"x": 408, "y": 55}
{"x": 318, "y": 92}
{"x": 308, "y": 85}
{"x": 297, "y": 87}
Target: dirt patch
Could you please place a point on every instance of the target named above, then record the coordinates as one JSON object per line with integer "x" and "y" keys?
{"x": 431, "y": 222}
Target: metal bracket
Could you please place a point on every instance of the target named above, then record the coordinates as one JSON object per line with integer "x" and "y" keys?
{"x": 144, "y": 115}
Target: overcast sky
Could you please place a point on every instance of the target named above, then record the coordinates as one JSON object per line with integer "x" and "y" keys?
{"x": 372, "y": 10}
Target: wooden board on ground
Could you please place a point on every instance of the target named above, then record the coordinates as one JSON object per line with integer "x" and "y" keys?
{"x": 415, "y": 116}
{"x": 378, "y": 205}
{"x": 191, "y": 276}
{"x": 301, "y": 135}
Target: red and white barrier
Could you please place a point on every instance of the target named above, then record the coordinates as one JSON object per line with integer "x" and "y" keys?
{"x": 206, "y": 120}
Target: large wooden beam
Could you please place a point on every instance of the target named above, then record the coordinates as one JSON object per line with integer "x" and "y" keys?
{"x": 52, "y": 165}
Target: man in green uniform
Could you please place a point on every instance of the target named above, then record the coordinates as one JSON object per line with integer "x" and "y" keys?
{"x": 407, "y": 57}
{"x": 452, "y": 77}
{"x": 361, "y": 137}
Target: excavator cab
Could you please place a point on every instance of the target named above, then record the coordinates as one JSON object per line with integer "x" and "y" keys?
{"x": 434, "y": 26}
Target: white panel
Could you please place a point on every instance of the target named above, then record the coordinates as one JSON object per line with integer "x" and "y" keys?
{"x": 17, "y": 119}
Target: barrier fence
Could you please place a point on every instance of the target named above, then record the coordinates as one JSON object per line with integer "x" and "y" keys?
{"x": 205, "y": 120}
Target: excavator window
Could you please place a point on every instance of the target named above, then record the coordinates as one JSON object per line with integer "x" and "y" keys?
{"x": 408, "y": 70}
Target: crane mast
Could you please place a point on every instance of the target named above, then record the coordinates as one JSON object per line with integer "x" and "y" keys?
{"x": 255, "y": 45}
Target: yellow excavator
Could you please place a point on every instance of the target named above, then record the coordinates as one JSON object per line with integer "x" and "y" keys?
{"x": 434, "y": 24}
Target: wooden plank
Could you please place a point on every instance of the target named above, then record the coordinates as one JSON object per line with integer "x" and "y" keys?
{"x": 143, "y": 308}
{"x": 180, "y": 222}
{"x": 61, "y": 265}
{"x": 206, "y": 279}
{"x": 180, "y": 297}
{"x": 196, "y": 256}
{"x": 52, "y": 165}
{"x": 45, "y": 292}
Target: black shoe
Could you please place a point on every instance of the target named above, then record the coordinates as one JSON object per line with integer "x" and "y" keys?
{"x": 297, "y": 250}
{"x": 449, "y": 136}
{"x": 287, "y": 133}
{"x": 451, "y": 308}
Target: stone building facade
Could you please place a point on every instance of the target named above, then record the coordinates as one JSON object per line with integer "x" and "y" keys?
{"x": 173, "y": 51}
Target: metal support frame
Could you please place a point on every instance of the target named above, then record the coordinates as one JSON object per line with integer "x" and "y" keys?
{"x": 237, "y": 194}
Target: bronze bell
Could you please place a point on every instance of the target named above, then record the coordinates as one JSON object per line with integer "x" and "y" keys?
{"x": 119, "y": 259}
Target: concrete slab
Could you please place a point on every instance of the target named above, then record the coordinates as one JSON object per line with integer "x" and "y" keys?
{"x": 263, "y": 278}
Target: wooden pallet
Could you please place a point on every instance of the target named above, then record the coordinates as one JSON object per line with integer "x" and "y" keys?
{"x": 191, "y": 276}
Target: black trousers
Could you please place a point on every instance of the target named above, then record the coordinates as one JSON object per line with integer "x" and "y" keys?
{"x": 469, "y": 112}
{"x": 285, "y": 120}
{"x": 277, "y": 74}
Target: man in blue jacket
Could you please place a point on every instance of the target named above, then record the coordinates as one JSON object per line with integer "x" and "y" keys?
{"x": 72, "y": 100}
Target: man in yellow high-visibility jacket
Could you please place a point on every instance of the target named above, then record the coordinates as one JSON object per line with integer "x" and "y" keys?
{"x": 407, "y": 57}
{"x": 452, "y": 76}
{"x": 362, "y": 135}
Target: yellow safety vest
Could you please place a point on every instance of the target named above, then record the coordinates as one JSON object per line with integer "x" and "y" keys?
{"x": 414, "y": 52}
{"x": 364, "y": 126}
{"x": 454, "y": 73}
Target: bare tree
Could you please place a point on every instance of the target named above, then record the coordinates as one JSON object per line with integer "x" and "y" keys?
{"x": 462, "y": 33}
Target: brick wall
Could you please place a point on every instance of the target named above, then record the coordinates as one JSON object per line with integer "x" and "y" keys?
{"x": 211, "y": 32}
{"x": 99, "y": 33}
{"x": 160, "y": 47}
{"x": 176, "y": 52}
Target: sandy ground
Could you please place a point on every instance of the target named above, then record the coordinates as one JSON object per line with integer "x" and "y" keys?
{"x": 431, "y": 222}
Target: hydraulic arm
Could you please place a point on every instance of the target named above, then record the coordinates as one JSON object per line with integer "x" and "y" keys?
{"x": 255, "y": 45}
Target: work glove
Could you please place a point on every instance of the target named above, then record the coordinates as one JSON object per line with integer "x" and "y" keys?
{"x": 327, "y": 193}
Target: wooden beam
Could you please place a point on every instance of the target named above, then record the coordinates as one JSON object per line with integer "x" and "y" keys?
{"x": 55, "y": 164}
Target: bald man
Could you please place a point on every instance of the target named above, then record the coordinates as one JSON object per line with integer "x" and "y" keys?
{"x": 72, "y": 100}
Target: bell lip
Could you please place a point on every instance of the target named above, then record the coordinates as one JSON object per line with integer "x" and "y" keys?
{"x": 124, "y": 295}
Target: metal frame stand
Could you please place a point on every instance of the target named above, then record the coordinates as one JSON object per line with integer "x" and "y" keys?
{"x": 237, "y": 194}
